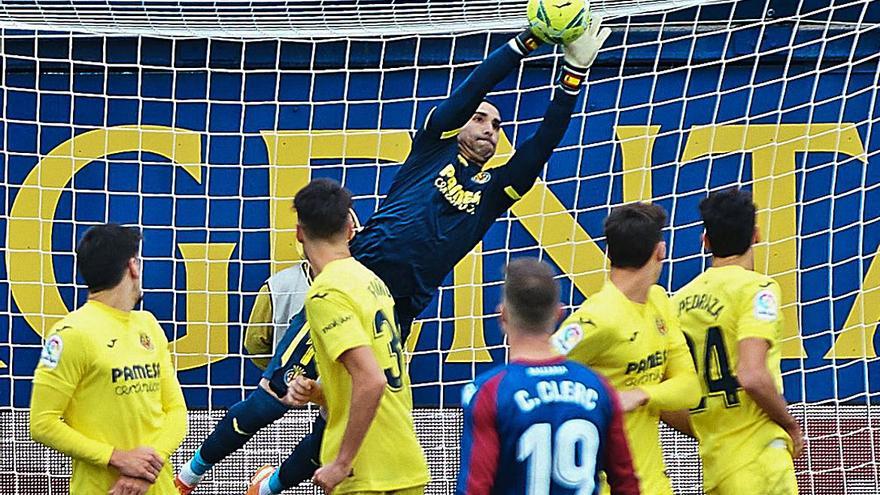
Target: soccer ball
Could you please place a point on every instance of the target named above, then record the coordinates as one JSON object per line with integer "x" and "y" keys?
{"x": 558, "y": 21}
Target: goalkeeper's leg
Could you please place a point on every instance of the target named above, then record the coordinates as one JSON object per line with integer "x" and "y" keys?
{"x": 260, "y": 409}
{"x": 299, "y": 466}
{"x": 242, "y": 421}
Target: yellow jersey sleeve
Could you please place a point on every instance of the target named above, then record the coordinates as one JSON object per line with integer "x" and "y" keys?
{"x": 173, "y": 404}
{"x": 759, "y": 315}
{"x": 680, "y": 388}
{"x": 63, "y": 362}
{"x": 260, "y": 332}
{"x": 334, "y": 322}
{"x": 578, "y": 337}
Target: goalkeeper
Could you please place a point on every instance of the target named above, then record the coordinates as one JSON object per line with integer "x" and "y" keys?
{"x": 438, "y": 208}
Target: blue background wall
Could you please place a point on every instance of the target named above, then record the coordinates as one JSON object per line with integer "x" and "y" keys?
{"x": 230, "y": 91}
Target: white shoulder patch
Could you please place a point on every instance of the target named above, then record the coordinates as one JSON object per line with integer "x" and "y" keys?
{"x": 766, "y": 306}
{"x": 467, "y": 393}
{"x": 567, "y": 338}
{"x": 51, "y": 352}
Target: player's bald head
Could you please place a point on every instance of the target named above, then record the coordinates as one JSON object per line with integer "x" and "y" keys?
{"x": 323, "y": 208}
{"x": 531, "y": 295}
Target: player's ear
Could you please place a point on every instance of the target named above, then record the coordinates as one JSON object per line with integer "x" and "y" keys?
{"x": 707, "y": 246}
{"x": 299, "y": 233}
{"x": 660, "y": 251}
{"x": 756, "y": 237}
{"x": 560, "y": 315}
{"x": 135, "y": 267}
{"x": 502, "y": 314}
{"x": 349, "y": 228}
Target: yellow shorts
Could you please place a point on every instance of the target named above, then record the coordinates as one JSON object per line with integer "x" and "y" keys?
{"x": 416, "y": 490}
{"x": 772, "y": 471}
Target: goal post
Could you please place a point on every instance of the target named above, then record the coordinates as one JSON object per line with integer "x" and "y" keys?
{"x": 199, "y": 124}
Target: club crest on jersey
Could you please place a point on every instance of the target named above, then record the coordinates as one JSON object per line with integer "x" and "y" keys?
{"x": 292, "y": 373}
{"x": 481, "y": 178}
{"x": 661, "y": 325}
{"x": 146, "y": 342}
{"x": 51, "y": 352}
{"x": 766, "y": 307}
{"x": 568, "y": 338}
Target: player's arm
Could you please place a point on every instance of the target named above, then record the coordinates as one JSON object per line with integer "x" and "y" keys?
{"x": 680, "y": 388}
{"x": 618, "y": 461}
{"x": 454, "y": 112}
{"x": 259, "y": 335}
{"x": 57, "y": 376}
{"x": 333, "y": 317}
{"x": 528, "y": 161}
{"x": 480, "y": 443}
{"x": 679, "y": 420}
{"x": 756, "y": 332}
{"x": 173, "y": 405}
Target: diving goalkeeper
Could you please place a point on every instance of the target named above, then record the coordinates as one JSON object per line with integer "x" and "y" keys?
{"x": 438, "y": 208}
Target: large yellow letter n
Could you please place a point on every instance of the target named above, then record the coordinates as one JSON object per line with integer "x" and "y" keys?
{"x": 29, "y": 242}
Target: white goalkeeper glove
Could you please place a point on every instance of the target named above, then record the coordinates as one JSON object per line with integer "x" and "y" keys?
{"x": 582, "y": 52}
{"x": 580, "y": 55}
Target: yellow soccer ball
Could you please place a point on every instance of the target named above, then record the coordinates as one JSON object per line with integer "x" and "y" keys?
{"x": 558, "y": 21}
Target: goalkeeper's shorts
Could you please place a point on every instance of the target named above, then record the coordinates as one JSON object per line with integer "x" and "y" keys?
{"x": 294, "y": 355}
{"x": 771, "y": 473}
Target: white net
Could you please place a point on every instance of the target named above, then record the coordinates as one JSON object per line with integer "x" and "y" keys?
{"x": 204, "y": 141}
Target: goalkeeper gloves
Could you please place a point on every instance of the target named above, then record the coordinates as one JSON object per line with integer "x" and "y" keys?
{"x": 580, "y": 55}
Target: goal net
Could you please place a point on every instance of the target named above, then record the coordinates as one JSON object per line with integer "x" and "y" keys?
{"x": 199, "y": 121}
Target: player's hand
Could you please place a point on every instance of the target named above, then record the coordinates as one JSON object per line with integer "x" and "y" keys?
{"x": 331, "y": 475}
{"x": 631, "y": 400}
{"x": 127, "y": 485}
{"x": 582, "y": 52}
{"x": 142, "y": 462}
{"x": 301, "y": 391}
{"x": 797, "y": 439}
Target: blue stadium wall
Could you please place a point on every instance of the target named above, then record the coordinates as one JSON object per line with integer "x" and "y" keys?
{"x": 224, "y": 98}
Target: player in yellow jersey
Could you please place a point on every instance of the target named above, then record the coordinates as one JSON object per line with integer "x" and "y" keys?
{"x": 731, "y": 318}
{"x": 369, "y": 445}
{"x": 105, "y": 392}
{"x": 628, "y": 332}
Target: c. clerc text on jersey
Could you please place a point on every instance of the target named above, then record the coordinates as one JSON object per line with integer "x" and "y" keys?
{"x": 549, "y": 391}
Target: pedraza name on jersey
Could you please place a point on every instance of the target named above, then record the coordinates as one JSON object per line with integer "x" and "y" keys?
{"x": 705, "y": 302}
{"x": 455, "y": 193}
{"x": 136, "y": 372}
{"x": 550, "y": 391}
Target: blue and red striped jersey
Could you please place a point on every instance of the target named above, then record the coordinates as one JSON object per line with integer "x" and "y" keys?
{"x": 543, "y": 428}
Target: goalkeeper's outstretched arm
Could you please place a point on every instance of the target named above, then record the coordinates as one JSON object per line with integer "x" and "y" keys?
{"x": 456, "y": 110}
{"x": 530, "y": 157}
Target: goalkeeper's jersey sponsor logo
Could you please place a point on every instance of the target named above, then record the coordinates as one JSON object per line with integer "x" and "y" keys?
{"x": 455, "y": 193}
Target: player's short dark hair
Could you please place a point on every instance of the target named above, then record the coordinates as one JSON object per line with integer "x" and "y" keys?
{"x": 729, "y": 220}
{"x": 323, "y": 208}
{"x": 531, "y": 294}
{"x": 632, "y": 232}
{"x": 490, "y": 102}
{"x": 103, "y": 253}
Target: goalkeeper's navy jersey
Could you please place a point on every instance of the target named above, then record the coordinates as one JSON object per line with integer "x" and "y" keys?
{"x": 438, "y": 208}
{"x": 543, "y": 427}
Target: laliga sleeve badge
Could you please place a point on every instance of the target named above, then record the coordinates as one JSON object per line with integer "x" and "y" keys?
{"x": 51, "y": 352}
{"x": 566, "y": 339}
{"x": 766, "y": 307}
{"x": 467, "y": 393}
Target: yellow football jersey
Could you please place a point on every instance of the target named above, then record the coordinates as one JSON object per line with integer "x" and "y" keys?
{"x": 114, "y": 372}
{"x": 718, "y": 309}
{"x": 635, "y": 346}
{"x": 348, "y": 306}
